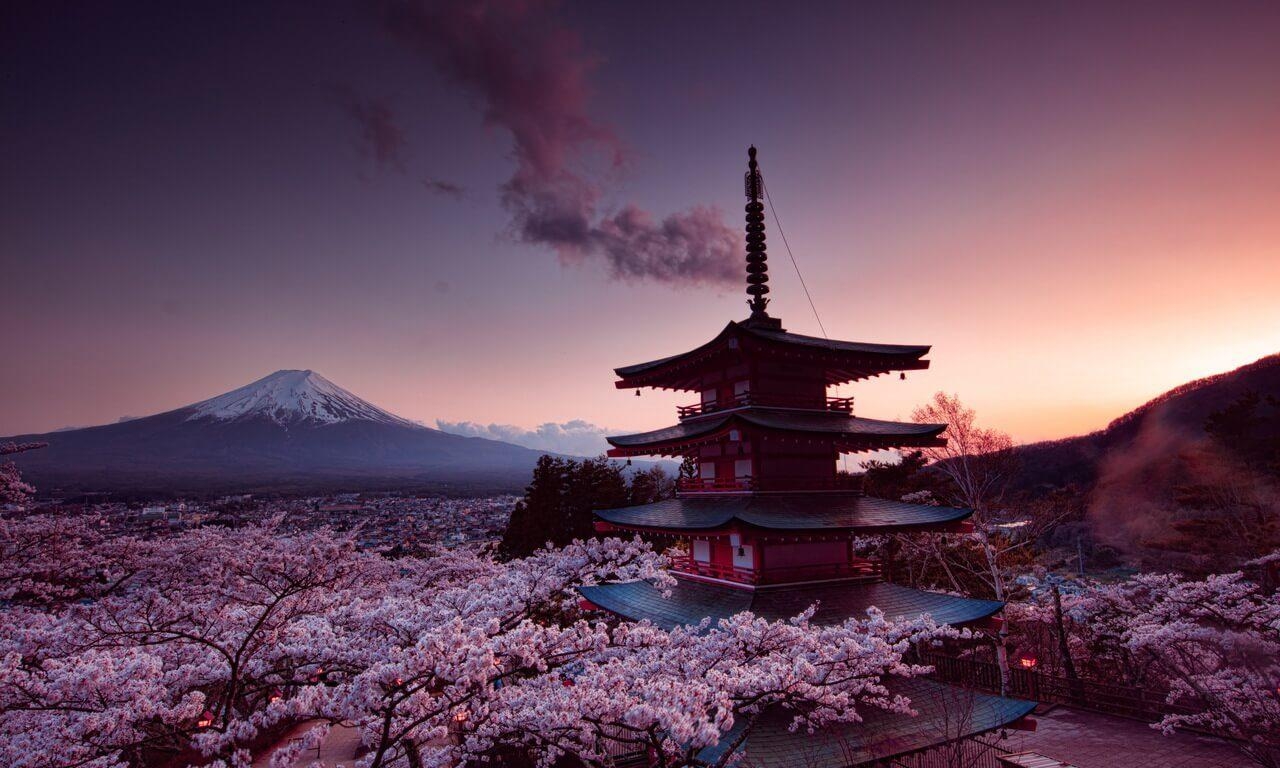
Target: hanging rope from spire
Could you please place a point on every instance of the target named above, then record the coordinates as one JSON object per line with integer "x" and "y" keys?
{"x": 778, "y": 222}
{"x": 757, "y": 266}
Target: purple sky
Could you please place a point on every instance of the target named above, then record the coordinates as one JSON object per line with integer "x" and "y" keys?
{"x": 473, "y": 213}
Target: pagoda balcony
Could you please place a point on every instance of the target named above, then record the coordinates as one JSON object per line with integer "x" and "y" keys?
{"x": 862, "y": 569}
{"x": 688, "y": 485}
{"x": 837, "y": 404}
{"x": 714, "y": 485}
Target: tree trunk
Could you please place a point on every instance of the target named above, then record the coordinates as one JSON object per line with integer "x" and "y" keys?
{"x": 411, "y": 753}
{"x": 1002, "y": 636}
{"x": 1064, "y": 648}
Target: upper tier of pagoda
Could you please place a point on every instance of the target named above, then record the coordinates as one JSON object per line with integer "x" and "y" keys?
{"x": 828, "y": 361}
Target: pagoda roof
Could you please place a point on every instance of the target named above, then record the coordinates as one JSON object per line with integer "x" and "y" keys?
{"x": 799, "y": 511}
{"x": 691, "y": 601}
{"x": 943, "y": 713}
{"x": 847, "y": 360}
{"x": 863, "y": 433}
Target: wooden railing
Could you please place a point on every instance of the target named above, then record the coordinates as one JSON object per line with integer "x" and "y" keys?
{"x": 841, "y": 404}
{"x": 1109, "y": 698}
{"x": 744, "y": 484}
{"x": 868, "y": 569}
{"x": 859, "y": 569}
{"x": 715, "y": 570}
{"x": 700, "y": 484}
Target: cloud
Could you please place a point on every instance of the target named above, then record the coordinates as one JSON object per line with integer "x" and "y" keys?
{"x": 575, "y": 438}
{"x": 442, "y": 187}
{"x": 529, "y": 74}
{"x": 381, "y": 137}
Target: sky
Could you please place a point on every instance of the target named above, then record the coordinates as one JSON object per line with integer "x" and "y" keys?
{"x": 469, "y": 213}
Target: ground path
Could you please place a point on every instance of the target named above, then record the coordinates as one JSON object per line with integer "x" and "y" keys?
{"x": 338, "y": 748}
{"x": 1092, "y": 740}
{"x": 1084, "y": 739}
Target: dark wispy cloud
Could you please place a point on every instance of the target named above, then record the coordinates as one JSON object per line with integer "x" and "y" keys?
{"x": 574, "y": 438}
{"x": 442, "y": 187}
{"x": 381, "y": 137}
{"x": 530, "y": 74}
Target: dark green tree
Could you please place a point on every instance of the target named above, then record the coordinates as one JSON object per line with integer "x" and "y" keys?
{"x": 558, "y": 503}
{"x": 895, "y": 479}
{"x": 653, "y": 484}
{"x": 688, "y": 468}
{"x": 1249, "y": 429}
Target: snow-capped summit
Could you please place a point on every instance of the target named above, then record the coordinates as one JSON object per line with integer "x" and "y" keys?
{"x": 290, "y": 397}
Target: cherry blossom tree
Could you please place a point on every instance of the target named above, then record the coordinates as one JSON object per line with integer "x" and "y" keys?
{"x": 476, "y": 670}
{"x": 1212, "y": 644}
{"x": 12, "y": 488}
{"x": 46, "y": 558}
{"x": 980, "y": 463}
{"x": 209, "y": 620}
{"x": 200, "y": 648}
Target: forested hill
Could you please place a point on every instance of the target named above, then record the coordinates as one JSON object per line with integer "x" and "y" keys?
{"x": 1246, "y": 402}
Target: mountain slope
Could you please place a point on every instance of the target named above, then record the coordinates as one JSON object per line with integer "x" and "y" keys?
{"x": 1182, "y": 410}
{"x": 292, "y": 430}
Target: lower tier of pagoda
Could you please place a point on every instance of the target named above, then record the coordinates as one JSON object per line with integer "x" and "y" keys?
{"x": 692, "y": 600}
{"x": 944, "y": 714}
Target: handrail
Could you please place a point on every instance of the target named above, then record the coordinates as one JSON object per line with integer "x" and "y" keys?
{"x": 749, "y": 484}
{"x": 715, "y": 570}
{"x": 699, "y": 484}
{"x": 858, "y": 569}
{"x": 1110, "y": 698}
{"x": 839, "y": 404}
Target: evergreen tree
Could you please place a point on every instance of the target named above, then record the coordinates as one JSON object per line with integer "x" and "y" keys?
{"x": 558, "y": 503}
{"x": 651, "y": 485}
{"x": 893, "y": 480}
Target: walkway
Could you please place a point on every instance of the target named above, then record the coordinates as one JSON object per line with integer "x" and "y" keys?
{"x": 1092, "y": 740}
{"x": 338, "y": 748}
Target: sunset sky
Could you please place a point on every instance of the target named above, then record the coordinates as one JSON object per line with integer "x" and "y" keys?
{"x": 473, "y": 212}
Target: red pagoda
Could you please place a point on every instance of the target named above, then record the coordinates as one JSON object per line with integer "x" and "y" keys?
{"x": 768, "y": 523}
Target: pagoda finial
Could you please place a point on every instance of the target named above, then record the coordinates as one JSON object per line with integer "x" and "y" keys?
{"x": 757, "y": 267}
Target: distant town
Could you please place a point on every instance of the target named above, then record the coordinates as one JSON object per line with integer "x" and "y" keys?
{"x": 402, "y": 522}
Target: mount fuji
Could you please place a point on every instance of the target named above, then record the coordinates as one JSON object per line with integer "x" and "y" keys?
{"x": 290, "y": 431}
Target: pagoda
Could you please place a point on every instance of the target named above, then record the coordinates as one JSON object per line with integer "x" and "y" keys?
{"x": 768, "y": 523}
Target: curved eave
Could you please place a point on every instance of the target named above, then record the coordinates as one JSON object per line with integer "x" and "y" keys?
{"x": 848, "y": 433}
{"x": 782, "y": 513}
{"x": 843, "y": 361}
{"x": 690, "y": 601}
{"x": 944, "y": 713}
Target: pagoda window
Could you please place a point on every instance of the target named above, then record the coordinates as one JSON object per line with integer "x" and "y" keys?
{"x": 708, "y": 397}
{"x": 742, "y": 469}
{"x": 744, "y": 556}
{"x": 741, "y": 391}
{"x": 707, "y": 470}
{"x": 702, "y": 551}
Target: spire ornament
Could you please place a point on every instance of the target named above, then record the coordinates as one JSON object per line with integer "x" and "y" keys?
{"x": 757, "y": 266}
